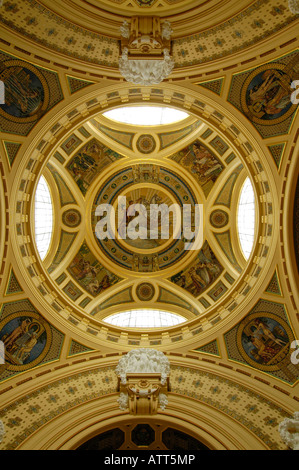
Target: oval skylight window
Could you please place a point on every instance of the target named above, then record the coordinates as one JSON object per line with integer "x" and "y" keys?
{"x": 246, "y": 218}
{"x": 43, "y": 215}
{"x": 146, "y": 115}
{"x": 144, "y": 318}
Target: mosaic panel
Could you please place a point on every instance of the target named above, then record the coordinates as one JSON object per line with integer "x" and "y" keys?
{"x": 146, "y": 143}
{"x": 225, "y": 243}
{"x": 28, "y": 338}
{"x": 89, "y": 162}
{"x": 225, "y": 195}
{"x": 70, "y": 144}
{"x": 201, "y": 273}
{"x": 77, "y": 348}
{"x": 159, "y": 182}
{"x": 71, "y": 218}
{"x": 264, "y": 95}
{"x": 219, "y": 218}
{"x": 65, "y": 243}
{"x": 72, "y": 291}
{"x": 30, "y": 92}
{"x": 89, "y": 273}
{"x": 218, "y": 290}
{"x": 145, "y": 291}
{"x": 201, "y": 162}
{"x": 262, "y": 340}
{"x": 168, "y": 297}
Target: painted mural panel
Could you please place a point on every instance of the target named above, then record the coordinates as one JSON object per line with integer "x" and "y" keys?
{"x": 201, "y": 162}
{"x": 266, "y": 94}
{"x": 89, "y": 161}
{"x": 90, "y": 273}
{"x": 201, "y": 273}
{"x": 264, "y": 339}
{"x": 26, "y": 337}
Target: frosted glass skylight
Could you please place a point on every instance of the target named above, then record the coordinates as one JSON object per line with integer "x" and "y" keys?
{"x": 146, "y": 115}
{"x": 43, "y": 217}
{"x": 144, "y": 318}
{"x": 246, "y": 218}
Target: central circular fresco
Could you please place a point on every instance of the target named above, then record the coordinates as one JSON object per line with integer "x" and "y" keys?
{"x": 138, "y": 195}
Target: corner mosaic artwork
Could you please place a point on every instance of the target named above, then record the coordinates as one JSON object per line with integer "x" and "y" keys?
{"x": 30, "y": 92}
{"x": 262, "y": 340}
{"x": 27, "y": 338}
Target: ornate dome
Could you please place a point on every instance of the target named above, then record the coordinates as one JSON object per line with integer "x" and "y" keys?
{"x": 224, "y": 313}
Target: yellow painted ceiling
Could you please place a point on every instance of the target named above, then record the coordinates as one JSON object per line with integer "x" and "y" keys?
{"x": 223, "y": 51}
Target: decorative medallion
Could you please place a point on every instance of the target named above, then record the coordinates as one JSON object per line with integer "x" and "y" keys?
{"x": 266, "y": 93}
{"x": 146, "y": 185}
{"x": 219, "y": 218}
{"x": 145, "y": 291}
{"x": 26, "y": 91}
{"x": 146, "y": 143}
{"x": 71, "y": 218}
{"x": 27, "y": 338}
{"x": 264, "y": 341}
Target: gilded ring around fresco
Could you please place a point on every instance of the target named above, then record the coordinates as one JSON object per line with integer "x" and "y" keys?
{"x": 266, "y": 94}
{"x": 26, "y": 91}
{"x": 27, "y": 338}
{"x": 145, "y": 184}
{"x": 264, "y": 340}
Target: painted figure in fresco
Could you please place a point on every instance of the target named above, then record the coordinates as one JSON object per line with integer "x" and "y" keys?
{"x": 96, "y": 287}
{"x": 20, "y": 338}
{"x": 263, "y": 339}
{"x": 23, "y": 92}
{"x": 204, "y": 164}
{"x": 201, "y": 274}
{"x": 84, "y": 166}
{"x": 10, "y": 339}
{"x": 270, "y": 94}
{"x": 23, "y": 346}
{"x": 90, "y": 273}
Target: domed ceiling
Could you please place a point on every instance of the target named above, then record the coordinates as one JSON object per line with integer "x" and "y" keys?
{"x": 100, "y": 163}
{"x": 235, "y": 154}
